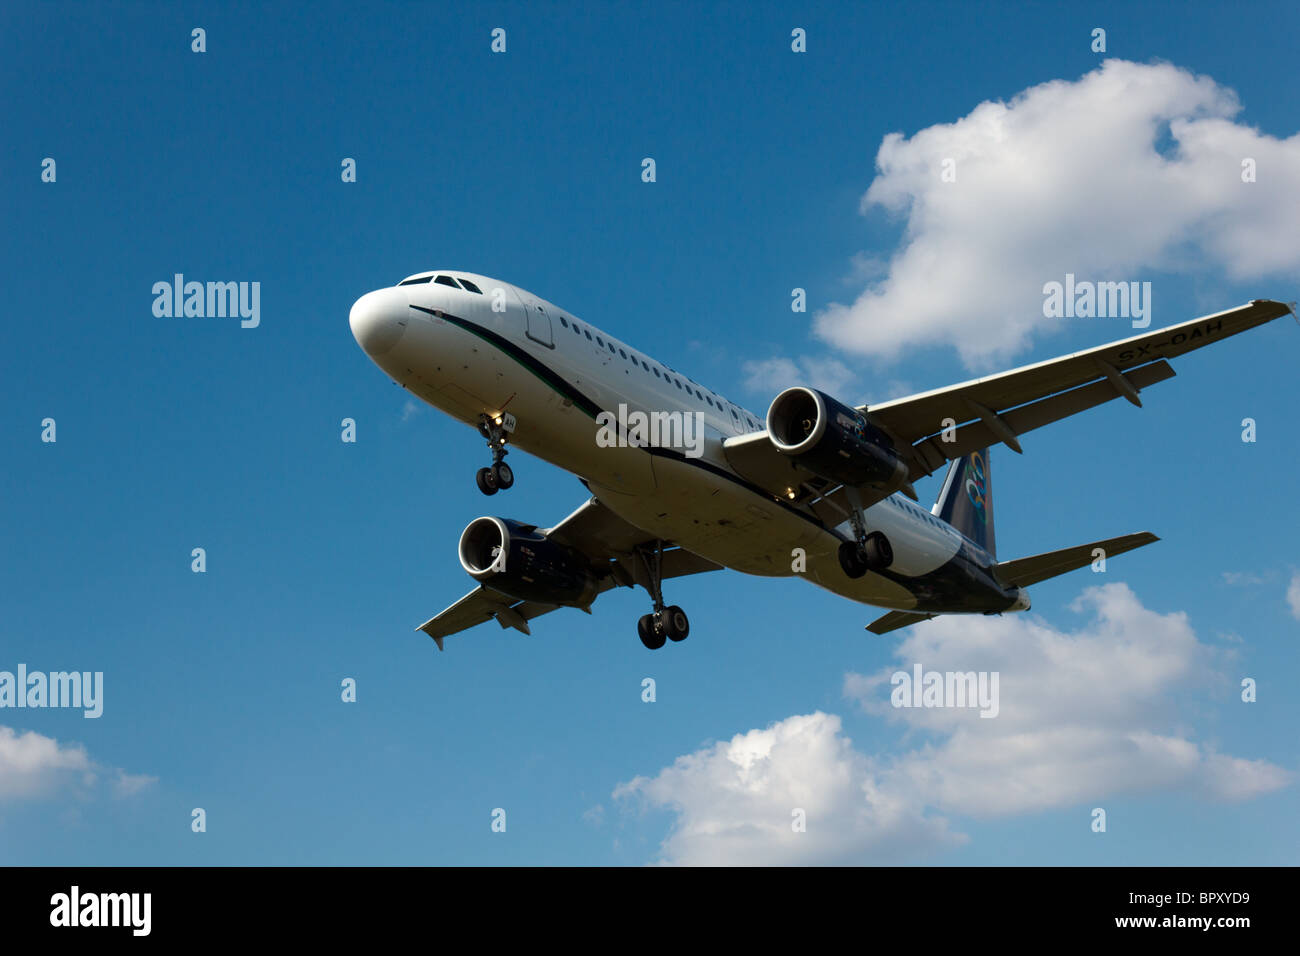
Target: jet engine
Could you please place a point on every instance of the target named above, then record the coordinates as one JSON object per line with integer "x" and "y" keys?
{"x": 833, "y": 441}
{"x": 521, "y": 562}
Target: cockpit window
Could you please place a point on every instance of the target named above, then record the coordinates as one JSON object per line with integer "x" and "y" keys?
{"x": 471, "y": 286}
{"x": 446, "y": 280}
{"x": 416, "y": 281}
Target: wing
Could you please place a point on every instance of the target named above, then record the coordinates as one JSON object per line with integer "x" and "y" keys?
{"x": 609, "y": 542}
{"x": 1002, "y": 407}
{"x": 998, "y": 408}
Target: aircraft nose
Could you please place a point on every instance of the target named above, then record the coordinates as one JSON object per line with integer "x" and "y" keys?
{"x": 378, "y": 320}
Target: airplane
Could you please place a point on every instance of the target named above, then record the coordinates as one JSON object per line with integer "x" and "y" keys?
{"x": 817, "y": 489}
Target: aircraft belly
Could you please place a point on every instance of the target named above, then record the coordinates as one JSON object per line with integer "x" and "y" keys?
{"x": 716, "y": 518}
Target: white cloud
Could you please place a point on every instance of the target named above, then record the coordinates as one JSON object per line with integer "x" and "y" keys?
{"x": 1068, "y": 177}
{"x": 1244, "y": 578}
{"x": 129, "y": 784}
{"x": 33, "y": 765}
{"x": 1085, "y": 715}
{"x": 410, "y": 409}
{"x": 1293, "y": 595}
{"x": 735, "y": 800}
{"x": 770, "y": 376}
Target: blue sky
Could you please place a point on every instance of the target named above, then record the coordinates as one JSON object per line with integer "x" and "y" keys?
{"x": 222, "y": 688}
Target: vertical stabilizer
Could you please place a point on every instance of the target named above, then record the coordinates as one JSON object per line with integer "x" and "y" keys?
{"x": 966, "y": 501}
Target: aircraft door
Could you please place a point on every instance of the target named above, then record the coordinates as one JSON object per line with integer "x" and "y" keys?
{"x": 537, "y": 322}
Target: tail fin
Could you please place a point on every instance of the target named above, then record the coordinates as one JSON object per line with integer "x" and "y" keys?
{"x": 966, "y": 501}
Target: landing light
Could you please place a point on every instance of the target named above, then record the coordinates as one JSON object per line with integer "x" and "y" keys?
{"x": 789, "y": 493}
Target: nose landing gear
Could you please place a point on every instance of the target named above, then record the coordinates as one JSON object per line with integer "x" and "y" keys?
{"x": 664, "y": 623}
{"x": 500, "y": 475}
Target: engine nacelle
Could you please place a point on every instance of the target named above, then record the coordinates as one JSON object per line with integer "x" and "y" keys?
{"x": 832, "y": 440}
{"x": 518, "y": 560}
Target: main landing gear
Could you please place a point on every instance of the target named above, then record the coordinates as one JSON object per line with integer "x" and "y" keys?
{"x": 664, "y": 623}
{"x": 866, "y": 552}
{"x": 499, "y": 475}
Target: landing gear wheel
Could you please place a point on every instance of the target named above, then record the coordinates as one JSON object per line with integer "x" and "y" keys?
{"x": 664, "y": 623}
{"x": 852, "y": 561}
{"x": 676, "y": 625}
{"x": 877, "y": 551}
{"x": 651, "y": 636}
{"x": 499, "y": 475}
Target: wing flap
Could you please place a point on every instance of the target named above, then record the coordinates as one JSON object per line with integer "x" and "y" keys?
{"x": 922, "y": 415}
{"x": 933, "y": 452}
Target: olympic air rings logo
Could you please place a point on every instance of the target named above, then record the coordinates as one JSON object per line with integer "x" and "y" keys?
{"x": 976, "y": 486}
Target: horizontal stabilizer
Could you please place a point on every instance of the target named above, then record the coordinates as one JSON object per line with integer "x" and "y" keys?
{"x": 896, "y": 619}
{"x": 1022, "y": 572}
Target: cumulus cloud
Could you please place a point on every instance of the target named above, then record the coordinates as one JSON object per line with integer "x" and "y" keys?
{"x": 1293, "y": 595}
{"x": 736, "y": 800}
{"x": 33, "y": 765}
{"x": 769, "y": 376}
{"x": 1129, "y": 170}
{"x": 1085, "y": 715}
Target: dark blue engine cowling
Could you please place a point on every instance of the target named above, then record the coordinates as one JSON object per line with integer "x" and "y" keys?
{"x": 521, "y": 562}
{"x": 832, "y": 440}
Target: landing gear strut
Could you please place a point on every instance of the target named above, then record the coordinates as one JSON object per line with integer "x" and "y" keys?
{"x": 499, "y": 475}
{"x": 866, "y": 552}
{"x": 664, "y": 623}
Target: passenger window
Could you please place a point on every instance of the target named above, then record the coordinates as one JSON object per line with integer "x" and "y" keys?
{"x": 599, "y": 342}
{"x": 587, "y": 332}
{"x": 563, "y": 323}
{"x": 611, "y": 348}
{"x": 657, "y": 375}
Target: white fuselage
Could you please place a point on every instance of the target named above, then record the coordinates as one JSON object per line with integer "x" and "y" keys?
{"x": 503, "y": 349}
